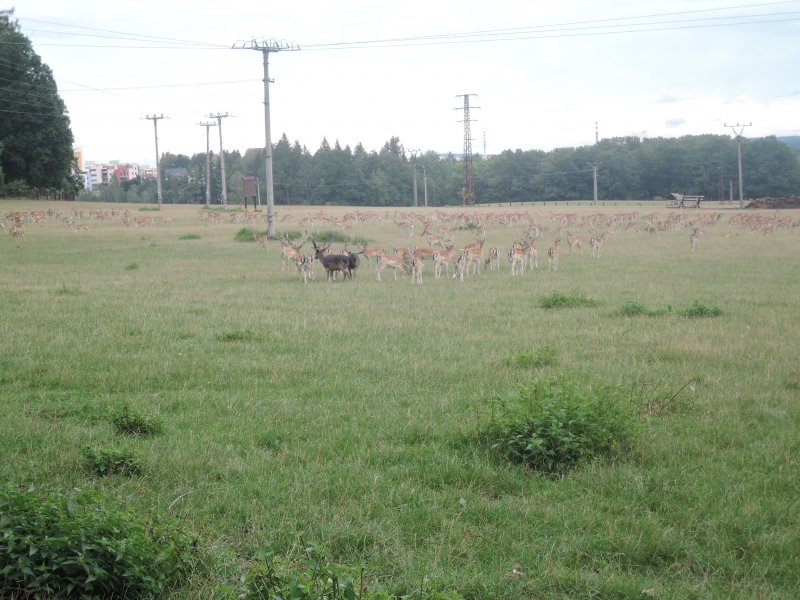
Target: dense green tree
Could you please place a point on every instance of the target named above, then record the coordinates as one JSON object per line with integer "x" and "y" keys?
{"x": 34, "y": 127}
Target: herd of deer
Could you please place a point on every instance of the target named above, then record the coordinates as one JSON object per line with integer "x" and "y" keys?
{"x": 441, "y": 252}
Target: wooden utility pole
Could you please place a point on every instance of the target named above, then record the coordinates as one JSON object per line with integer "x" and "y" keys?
{"x": 208, "y": 126}
{"x": 155, "y": 119}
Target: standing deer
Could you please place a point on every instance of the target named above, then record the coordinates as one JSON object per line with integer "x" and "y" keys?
{"x": 552, "y": 256}
{"x": 332, "y": 263}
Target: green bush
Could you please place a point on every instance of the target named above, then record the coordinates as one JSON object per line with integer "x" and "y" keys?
{"x": 111, "y": 461}
{"x": 561, "y": 300}
{"x": 128, "y": 421}
{"x": 700, "y": 309}
{"x": 80, "y": 545}
{"x": 553, "y": 426}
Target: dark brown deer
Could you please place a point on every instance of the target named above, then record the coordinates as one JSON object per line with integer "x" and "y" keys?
{"x": 332, "y": 263}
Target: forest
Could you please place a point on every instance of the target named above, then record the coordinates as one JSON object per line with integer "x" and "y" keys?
{"x": 628, "y": 168}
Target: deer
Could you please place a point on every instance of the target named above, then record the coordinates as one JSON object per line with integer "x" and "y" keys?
{"x": 552, "y": 256}
{"x": 574, "y": 241}
{"x": 693, "y": 238}
{"x": 332, "y": 263}
{"x": 288, "y": 252}
{"x": 395, "y": 262}
{"x": 596, "y": 244}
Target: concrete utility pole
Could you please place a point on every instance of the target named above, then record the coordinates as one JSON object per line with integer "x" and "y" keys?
{"x": 425, "y": 184}
{"x": 415, "y": 203}
{"x": 596, "y": 133}
{"x": 155, "y": 119}
{"x": 219, "y": 117}
{"x": 469, "y": 183}
{"x": 208, "y": 126}
{"x": 594, "y": 179}
{"x": 265, "y": 47}
{"x": 739, "y": 147}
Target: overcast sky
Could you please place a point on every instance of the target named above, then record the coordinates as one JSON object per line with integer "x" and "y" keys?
{"x": 367, "y": 70}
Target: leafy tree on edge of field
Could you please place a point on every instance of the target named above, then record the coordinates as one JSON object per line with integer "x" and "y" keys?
{"x": 35, "y": 131}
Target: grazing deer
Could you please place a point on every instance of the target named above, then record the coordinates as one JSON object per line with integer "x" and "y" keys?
{"x": 305, "y": 266}
{"x": 552, "y": 256}
{"x": 371, "y": 251}
{"x": 17, "y": 233}
{"x": 461, "y": 265}
{"x": 493, "y": 262}
{"x": 574, "y": 241}
{"x": 395, "y": 262}
{"x": 333, "y": 263}
{"x": 693, "y": 238}
{"x": 288, "y": 252}
{"x": 596, "y": 244}
{"x": 516, "y": 256}
{"x": 532, "y": 255}
{"x": 417, "y": 266}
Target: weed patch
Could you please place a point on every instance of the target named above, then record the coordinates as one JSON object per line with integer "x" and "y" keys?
{"x": 130, "y": 422}
{"x": 553, "y": 426}
{"x": 239, "y": 335}
{"x": 699, "y": 309}
{"x": 131, "y": 266}
{"x": 149, "y": 209}
{"x": 339, "y": 237}
{"x": 80, "y": 544}
{"x": 189, "y": 236}
{"x": 654, "y": 401}
{"x": 634, "y": 308}
{"x": 545, "y": 356}
{"x": 571, "y": 300}
{"x": 67, "y": 290}
{"x": 111, "y": 461}
{"x": 313, "y": 576}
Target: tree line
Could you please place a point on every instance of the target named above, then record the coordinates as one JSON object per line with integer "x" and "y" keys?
{"x": 628, "y": 168}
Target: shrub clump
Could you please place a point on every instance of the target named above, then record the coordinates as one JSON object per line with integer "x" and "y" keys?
{"x": 700, "y": 309}
{"x": 78, "y": 544}
{"x": 572, "y": 300}
{"x": 128, "y": 421}
{"x": 553, "y": 426}
{"x": 189, "y": 236}
{"x": 111, "y": 461}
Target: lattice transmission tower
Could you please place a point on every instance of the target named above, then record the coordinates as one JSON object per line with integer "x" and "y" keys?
{"x": 469, "y": 183}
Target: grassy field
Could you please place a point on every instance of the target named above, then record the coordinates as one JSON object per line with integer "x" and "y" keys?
{"x": 347, "y": 413}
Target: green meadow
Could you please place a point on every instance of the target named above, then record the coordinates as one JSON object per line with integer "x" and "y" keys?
{"x": 351, "y": 414}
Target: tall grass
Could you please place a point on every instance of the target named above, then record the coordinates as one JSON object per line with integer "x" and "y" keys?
{"x": 346, "y": 412}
